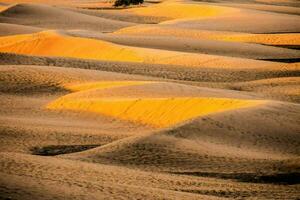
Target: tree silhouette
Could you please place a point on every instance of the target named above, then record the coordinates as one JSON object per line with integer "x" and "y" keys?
{"x": 127, "y": 2}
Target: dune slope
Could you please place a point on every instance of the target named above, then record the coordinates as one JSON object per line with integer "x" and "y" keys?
{"x": 172, "y": 99}
{"x": 67, "y": 46}
{"x": 51, "y": 17}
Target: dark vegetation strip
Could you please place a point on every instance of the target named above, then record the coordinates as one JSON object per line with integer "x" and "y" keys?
{"x": 289, "y": 178}
{"x": 296, "y": 47}
{"x": 221, "y": 193}
{"x": 54, "y": 150}
{"x": 284, "y": 60}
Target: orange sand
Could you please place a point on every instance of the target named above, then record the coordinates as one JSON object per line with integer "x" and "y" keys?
{"x": 49, "y": 43}
{"x": 271, "y": 39}
{"x": 102, "y": 85}
{"x": 179, "y": 10}
{"x": 157, "y": 112}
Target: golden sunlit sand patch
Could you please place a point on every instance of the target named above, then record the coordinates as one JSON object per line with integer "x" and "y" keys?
{"x": 270, "y": 39}
{"x": 49, "y": 43}
{"x": 157, "y": 112}
{"x": 179, "y": 10}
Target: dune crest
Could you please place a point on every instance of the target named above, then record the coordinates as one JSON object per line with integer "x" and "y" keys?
{"x": 159, "y": 30}
{"x": 102, "y": 85}
{"x": 164, "y": 100}
{"x": 50, "y": 43}
{"x": 157, "y": 112}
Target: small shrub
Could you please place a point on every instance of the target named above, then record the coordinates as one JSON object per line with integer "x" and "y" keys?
{"x": 127, "y": 2}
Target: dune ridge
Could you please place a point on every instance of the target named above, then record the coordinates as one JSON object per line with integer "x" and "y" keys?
{"x": 158, "y": 112}
{"x": 217, "y": 151}
{"x": 49, "y": 43}
{"x": 54, "y": 17}
{"x": 270, "y": 39}
{"x": 171, "y": 99}
{"x": 237, "y": 49}
{"x": 102, "y": 85}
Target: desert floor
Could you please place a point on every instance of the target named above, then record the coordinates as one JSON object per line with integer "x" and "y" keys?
{"x": 171, "y": 99}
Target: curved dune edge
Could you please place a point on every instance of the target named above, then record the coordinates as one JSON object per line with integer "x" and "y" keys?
{"x": 180, "y": 10}
{"x": 269, "y": 39}
{"x": 50, "y": 43}
{"x": 156, "y": 112}
{"x": 102, "y": 85}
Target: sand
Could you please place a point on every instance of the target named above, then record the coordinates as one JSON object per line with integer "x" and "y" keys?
{"x": 75, "y": 47}
{"x": 12, "y": 29}
{"x": 214, "y": 46}
{"x": 158, "y": 112}
{"x": 179, "y": 10}
{"x": 52, "y": 17}
{"x": 160, "y": 30}
{"x": 165, "y": 100}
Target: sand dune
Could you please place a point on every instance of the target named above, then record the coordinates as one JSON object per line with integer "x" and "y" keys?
{"x": 208, "y": 77}
{"x": 90, "y": 173}
{"x": 12, "y": 29}
{"x": 219, "y": 142}
{"x": 214, "y": 142}
{"x": 179, "y": 10}
{"x": 122, "y": 16}
{"x": 106, "y": 185}
{"x": 63, "y": 46}
{"x": 103, "y": 85}
{"x": 246, "y": 21}
{"x": 284, "y": 88}
{"x": 45, "y": 16}
{"x": 205, "y": 46}
{"x": 154, "y": 112}
{"x": 155, "y": 30}
{"x": 288, "y": 9}
{"x": 159, "y": 112}
{"x": 24, "y": 79}
{"x": 165, "y": 100}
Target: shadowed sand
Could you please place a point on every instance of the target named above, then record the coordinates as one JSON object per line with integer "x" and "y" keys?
{"x": 212, "y": 140}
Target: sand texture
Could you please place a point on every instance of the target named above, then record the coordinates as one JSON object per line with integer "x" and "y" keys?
{"x": 171, "y": 99}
